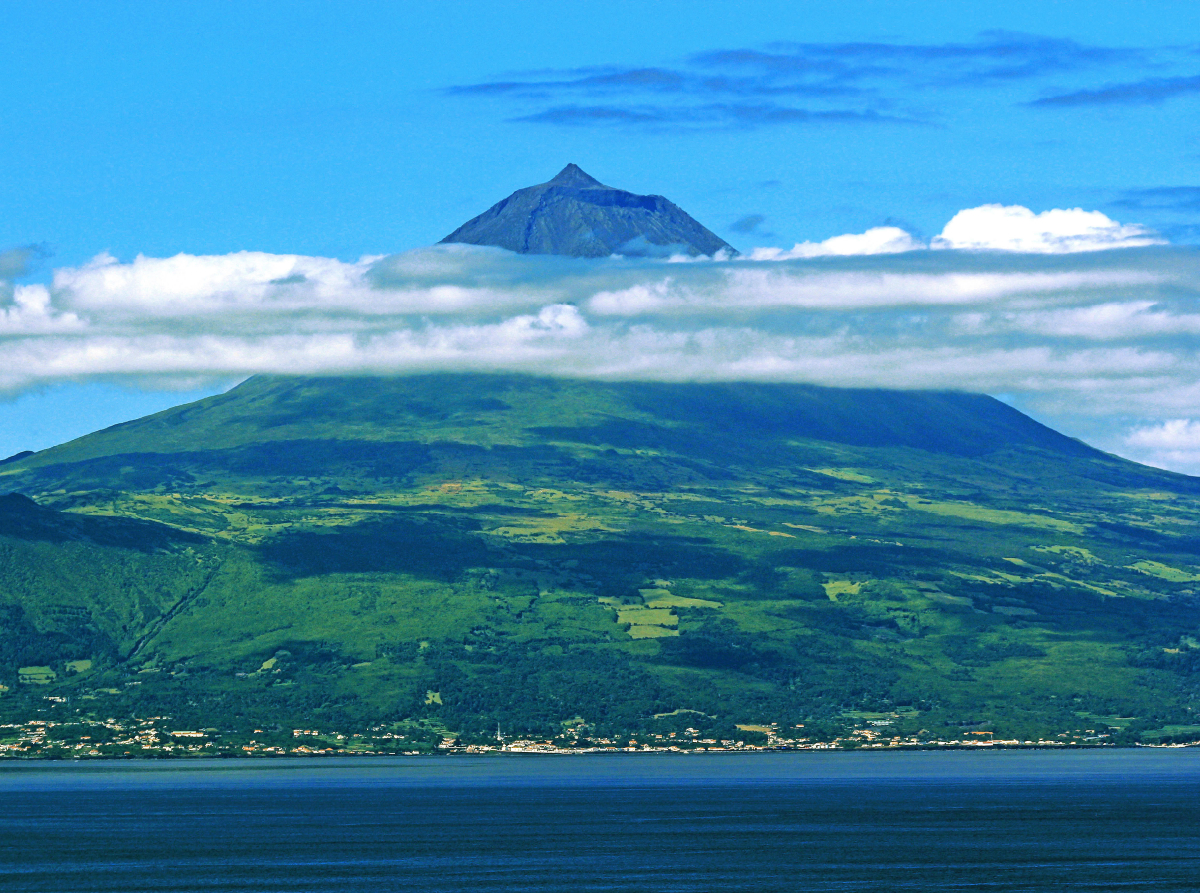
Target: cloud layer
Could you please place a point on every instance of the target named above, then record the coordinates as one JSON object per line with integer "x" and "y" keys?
{"x": 1041, "y": 318}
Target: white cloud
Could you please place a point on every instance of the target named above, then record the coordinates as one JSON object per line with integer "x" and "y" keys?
{"x": 1173, "y": 434}
{"x": 1058, "y": 231}
{"x": 1095, "y": 335}
{"x": 436, "y": 280}
{"x": 1010, "y": 228}
{"x": 879, "y": 240}
{"x": 1174, "y": 443}
{"x": 31, "y": 313}
{"x": 555, "y": 320}
{"x": 745, "y": 288}
{"x": 1102, "y": 321}
{"x": 189, "y": 284}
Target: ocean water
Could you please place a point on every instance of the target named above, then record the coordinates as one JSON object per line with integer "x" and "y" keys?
{"x": 992, "y": 821}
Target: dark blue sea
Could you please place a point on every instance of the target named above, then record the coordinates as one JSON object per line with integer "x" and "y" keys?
{"x": 933, "y": 821}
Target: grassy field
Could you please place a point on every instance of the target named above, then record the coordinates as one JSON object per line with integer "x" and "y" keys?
{"x": 330, "y": 552}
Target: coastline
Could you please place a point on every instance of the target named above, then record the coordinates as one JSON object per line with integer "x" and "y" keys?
{"x": 618, "y": 769}
{"x": 156, "y": 737}
{"x": 11, "y": 756}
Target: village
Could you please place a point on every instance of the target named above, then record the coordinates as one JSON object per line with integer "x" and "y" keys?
{"x": 157, "y": 737}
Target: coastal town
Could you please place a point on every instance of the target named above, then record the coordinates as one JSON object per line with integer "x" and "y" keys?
{"x": 157, "y": 736}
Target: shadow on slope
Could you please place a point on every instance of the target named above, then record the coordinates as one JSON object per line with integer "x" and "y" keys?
{"x": 22, "y": 518}
{"x": 430, "y": 548}
{"x": 937, "y": 421}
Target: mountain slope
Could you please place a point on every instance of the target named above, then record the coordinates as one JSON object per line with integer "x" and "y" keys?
{"x": 574, "y": 214}
{"x": 453, "y": 551}
{"x": 495, "y": 409}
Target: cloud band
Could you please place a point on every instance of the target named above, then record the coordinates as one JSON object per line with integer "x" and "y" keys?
{"x": 1089, "y": 333}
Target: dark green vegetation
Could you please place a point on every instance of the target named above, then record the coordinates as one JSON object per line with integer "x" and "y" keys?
{"x": 578, "y": 216}
{"x": 589, "y": 560}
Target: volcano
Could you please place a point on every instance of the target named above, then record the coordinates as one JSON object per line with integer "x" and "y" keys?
{"x": 578, "y": 216}
{"x": 417, "y": 558}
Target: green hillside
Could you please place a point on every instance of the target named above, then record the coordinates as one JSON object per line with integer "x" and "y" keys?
{"x": 434, "y": 555}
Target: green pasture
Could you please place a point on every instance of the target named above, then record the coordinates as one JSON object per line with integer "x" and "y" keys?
{"x": 533, "y": 551}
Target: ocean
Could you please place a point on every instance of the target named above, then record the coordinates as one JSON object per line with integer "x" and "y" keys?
{"x": 980, "y": 821}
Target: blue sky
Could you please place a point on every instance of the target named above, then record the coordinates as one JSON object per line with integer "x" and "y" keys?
{"x": 338, "y": 130}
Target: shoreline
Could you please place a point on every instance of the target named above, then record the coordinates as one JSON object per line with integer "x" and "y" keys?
{"x": 519, "y": 752}
{"x": 904, "y": 769}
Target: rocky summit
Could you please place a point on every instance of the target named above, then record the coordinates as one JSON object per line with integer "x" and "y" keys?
{"x": 576, "y": 215}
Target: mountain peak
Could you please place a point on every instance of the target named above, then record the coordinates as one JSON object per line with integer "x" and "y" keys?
{"x": 574, "y": 175}
{"x": 578, "y": 216}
